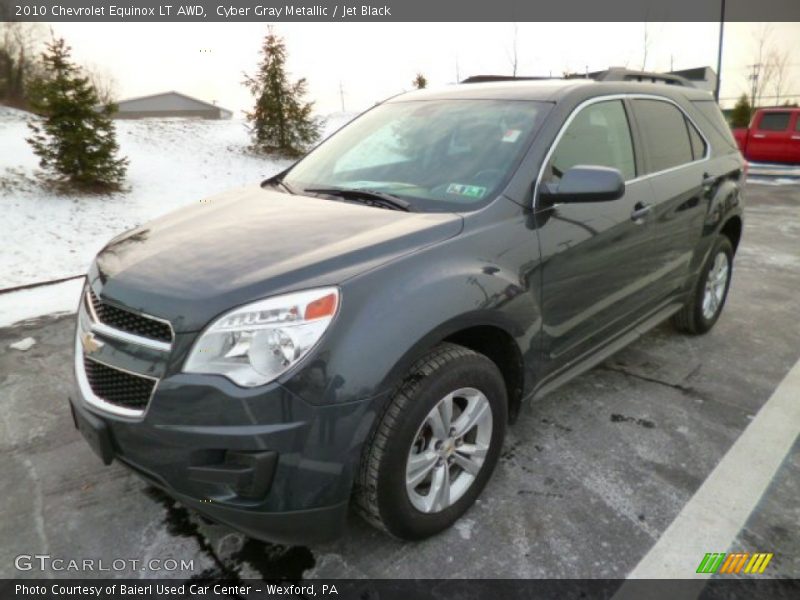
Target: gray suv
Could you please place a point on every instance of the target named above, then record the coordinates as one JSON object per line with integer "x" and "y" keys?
{"x": 360, "y": 329}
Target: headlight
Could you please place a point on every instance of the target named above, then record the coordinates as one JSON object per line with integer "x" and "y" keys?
{"x": 255, "y": 343}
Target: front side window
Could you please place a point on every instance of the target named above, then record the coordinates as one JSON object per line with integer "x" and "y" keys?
{"x": 439, "y": 155}
{"x": 599, "y": 135}
{"x": 774, "y": 121}
{"x": 664, "y": 133}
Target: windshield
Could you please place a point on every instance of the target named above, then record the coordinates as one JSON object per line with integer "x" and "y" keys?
{"x": 439, "y": 155}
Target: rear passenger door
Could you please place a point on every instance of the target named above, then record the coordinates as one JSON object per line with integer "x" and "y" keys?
{"x": 769, "y": 138}
{"x": 676, "y": 163}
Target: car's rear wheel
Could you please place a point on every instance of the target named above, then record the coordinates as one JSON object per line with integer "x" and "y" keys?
{"x": 708, "y": 299}
{"x": 435, "y": 445}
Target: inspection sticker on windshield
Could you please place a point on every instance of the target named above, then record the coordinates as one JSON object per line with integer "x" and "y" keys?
{"x": 472, "y": 191}
{"x": 511, "y": 135}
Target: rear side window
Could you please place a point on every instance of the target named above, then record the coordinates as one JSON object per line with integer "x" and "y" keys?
{"x": 797, "y": 125}
{"x": 664, "y": 133}
{"x": 774, "y": 121}
{"x": 696, "y": 140}
{"x": 599, "y": 135}
{"x": 710, "y": 119}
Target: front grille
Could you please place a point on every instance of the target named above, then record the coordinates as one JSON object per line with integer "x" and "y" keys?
{"x": 118, "y": 387}
{"x": 130, "y": 322}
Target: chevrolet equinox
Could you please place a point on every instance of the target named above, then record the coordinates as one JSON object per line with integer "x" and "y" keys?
{"x": 366, "y": 323}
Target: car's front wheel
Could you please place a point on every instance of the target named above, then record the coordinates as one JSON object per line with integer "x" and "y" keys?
{"x": 436, "y": 444}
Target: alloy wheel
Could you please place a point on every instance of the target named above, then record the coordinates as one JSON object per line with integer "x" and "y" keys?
{"x": 449, "y": 450}
{"x": 716, "y": 283}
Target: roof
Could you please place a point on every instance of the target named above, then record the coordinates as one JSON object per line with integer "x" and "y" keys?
{"x": 172, "y": 93}
{"x": 548, "y": 90}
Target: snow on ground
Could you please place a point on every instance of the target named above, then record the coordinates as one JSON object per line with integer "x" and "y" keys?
{"x": 773, "y": 174}
{"x": 35, "y": 302}
{"x": 173, "y": 162}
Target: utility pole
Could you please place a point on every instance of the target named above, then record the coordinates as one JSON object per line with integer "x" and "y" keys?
{"x": 754, "y": 85}
{"x": 719, "y": 51}
{"x": 341, "y": 95}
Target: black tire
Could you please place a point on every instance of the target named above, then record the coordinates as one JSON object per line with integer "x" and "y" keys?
{"x": 380, "y": 495}
{"x": 690, "y": 319}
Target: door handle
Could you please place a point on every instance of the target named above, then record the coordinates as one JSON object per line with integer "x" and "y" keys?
{"x": 796, "y": 137}
{"x": 640, "y": 211}
{"x": 759, "y": 135}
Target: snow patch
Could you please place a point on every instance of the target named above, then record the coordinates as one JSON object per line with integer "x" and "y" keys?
{"x": 464, "y": 528}
{"x": 24, "y": 344}
{"x": 36, "y": 302}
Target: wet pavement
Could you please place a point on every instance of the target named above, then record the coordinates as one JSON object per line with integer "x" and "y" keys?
{"x": 590, "y": 475}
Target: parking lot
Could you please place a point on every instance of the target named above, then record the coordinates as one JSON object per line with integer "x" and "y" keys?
{"x": 590, "y": 478}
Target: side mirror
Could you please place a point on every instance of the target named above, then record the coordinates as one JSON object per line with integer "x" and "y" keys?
{"x": 585, "y": 184}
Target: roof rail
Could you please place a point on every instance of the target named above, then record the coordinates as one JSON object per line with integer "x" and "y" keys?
{"x": 490, "y": 78}
{"x": 623, "y": 74}
{"x": 611, "y": 74}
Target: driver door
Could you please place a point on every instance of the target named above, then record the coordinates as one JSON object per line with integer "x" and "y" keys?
{"x": 596, "y": 256}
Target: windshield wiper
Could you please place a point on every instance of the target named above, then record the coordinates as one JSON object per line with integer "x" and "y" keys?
{"x": 369, "y": 197}
{"x": 276, "y": 182}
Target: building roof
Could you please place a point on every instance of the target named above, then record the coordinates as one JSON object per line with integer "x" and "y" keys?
{"x": 121, "y": 103}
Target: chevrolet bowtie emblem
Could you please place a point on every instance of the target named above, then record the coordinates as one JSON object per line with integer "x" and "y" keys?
{"x": 90, "y": 343}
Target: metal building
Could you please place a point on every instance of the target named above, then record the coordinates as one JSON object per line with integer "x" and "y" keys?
{"x": 169, "y": 104}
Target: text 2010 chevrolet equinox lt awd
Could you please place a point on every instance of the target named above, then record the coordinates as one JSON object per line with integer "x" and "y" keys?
{"x": 367, "y": 323}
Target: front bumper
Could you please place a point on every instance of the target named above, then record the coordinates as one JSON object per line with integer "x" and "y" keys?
{"x": 312, "y": 454}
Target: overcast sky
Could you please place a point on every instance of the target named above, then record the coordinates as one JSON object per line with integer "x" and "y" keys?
{"x": 372, "y": 61}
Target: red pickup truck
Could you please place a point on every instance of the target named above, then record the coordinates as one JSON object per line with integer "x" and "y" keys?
{"x": 773, "y": 136}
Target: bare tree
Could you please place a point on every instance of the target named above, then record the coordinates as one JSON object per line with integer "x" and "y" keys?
{"x": 19, "y": 45}
{"x": 763, "y": 70}
{"x": 780, "y": 66}
{"x": 104, "y": 83}
{"x": 646, "y": 41}
{"x": 513, "y": 55}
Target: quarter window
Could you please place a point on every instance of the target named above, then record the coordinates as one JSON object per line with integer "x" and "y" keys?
{"x": 697, "y": 141}
{"x": 776, "y": 121}
{"x": 599, "y": 135}
{"x": 665, "y": 134}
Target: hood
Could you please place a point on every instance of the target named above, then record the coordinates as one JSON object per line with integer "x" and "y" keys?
{"x": 238, "y": 247}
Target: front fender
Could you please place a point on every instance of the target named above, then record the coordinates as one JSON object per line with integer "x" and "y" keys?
{"x": 390, "y": 316}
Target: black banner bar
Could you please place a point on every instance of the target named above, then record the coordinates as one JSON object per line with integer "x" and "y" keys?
{"x": 404, "y": 589}
{"x": 396, "y": 10}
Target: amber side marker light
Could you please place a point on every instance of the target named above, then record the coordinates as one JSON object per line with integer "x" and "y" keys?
{"x": 321, "y": 307}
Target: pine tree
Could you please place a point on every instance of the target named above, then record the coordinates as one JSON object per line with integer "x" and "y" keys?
{"x": 74, "y": 138}
{"x": 280, "y": 121}
{"x": 420, "y": 82}
{"x": 740, "y": 115}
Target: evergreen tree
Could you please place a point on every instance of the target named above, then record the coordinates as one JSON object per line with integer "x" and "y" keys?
{"x": 420, "y": 82}
{"x": 280, "y": 121}
{"x": 74, "y": 138}
{"x": 740, "y": 115}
